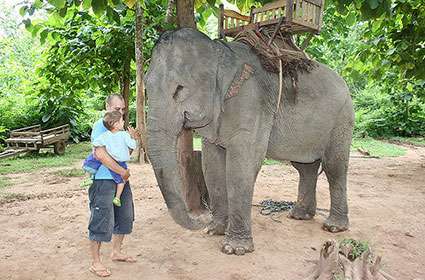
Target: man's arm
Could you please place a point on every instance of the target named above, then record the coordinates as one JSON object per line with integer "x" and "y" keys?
{"x": 102, "y": 155}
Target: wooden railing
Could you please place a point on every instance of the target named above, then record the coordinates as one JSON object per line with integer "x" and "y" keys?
{"x": 299, "y": 16}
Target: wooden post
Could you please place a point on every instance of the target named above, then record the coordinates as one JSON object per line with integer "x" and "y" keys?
{"x": 192, "y": 178}
{"x": 140, "y": 90}
{"x": 221, "y": 23}
{"x": 289, "y": 11}
{"x": 125, "y": 88}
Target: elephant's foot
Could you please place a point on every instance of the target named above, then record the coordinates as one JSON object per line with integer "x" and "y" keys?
{"x": 237, "y": 246}
{"x": 336, "y": 224}
{"x": 215, "y": 228}
{"x": 301, "y": 213}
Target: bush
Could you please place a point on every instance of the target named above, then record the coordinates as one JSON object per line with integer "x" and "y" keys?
{"x": 379, "y": 114}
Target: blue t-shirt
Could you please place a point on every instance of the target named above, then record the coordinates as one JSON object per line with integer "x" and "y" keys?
{"x": 103, "y": 172}
{"x": 117, "y": 144}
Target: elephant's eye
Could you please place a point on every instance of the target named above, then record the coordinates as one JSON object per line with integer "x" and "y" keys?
{"x": 178, "y": 90}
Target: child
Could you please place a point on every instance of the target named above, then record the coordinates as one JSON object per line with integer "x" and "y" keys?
{"x": 118, "y": 144}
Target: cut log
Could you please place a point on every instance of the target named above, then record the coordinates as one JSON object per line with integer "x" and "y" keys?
{"x": 336, "y": 262}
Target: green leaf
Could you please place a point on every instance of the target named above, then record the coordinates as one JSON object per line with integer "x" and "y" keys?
{"x": 59, "y": 4}
{"x": 43, "y": 36}
{"x": 23, "y": 10}
{"x": 373, "y": 4}
{"x": 38, "y": 4}
{"x": 62, "y": 12}
{"x": 27, "y": 23}
{"x": 86, "y": 4}
{"x": 116, "y": 2}
{"x": 113, "y": 15}
{"x": 130, "y": 3}
{"x": 35, "y": 30}
{"x": 211, "y": 3}
{"x": 99, "y": 6}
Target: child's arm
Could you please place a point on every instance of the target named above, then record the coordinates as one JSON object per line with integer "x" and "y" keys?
{"x": 130, "y": 142}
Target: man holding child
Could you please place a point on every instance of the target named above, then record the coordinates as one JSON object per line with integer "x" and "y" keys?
{"x": 110, "y": 221}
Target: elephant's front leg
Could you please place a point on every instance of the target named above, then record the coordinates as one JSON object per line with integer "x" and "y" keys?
{"x": 214, "y": 168}
{"x": 242, "y": 167}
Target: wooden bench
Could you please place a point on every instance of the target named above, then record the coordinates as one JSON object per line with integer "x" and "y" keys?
{"x": 294, "y": 16}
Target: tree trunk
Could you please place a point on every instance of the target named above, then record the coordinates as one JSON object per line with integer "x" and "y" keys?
{"x": 194, "y": 182}
{"x": 169, "y": 14}
{"x": 185, "y": 13}
{"x": 140, "y": 152}
{"x": 125, "y": 88}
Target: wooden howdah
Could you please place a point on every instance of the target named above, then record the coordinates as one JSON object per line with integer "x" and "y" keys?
{"x": 292, "y": 16}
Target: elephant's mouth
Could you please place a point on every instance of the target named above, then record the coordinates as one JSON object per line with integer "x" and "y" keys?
{"x": 191, "y": 122}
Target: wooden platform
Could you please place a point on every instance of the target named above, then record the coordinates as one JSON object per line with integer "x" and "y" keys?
{"x": 294, "y": 16}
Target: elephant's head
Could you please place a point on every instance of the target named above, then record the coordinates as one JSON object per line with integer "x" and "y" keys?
{"x": 181, "y": 85}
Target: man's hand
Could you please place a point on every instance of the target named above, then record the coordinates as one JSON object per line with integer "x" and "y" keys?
{"x": 102, "y": 155}
{"x": 125, "y": 175}
{"x": 134, "y": 133}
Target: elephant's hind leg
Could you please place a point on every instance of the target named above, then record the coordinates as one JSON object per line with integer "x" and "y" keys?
{"x": 305, "y": 208}
{"x": 335, "y": 165}
{"x": 214, "y": 168}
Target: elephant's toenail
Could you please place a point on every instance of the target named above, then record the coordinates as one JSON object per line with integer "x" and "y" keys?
{"x": 240, "y": 251}
{"x": 227, "y": 249}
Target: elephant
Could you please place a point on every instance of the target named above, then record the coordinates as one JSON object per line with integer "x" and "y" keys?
{"x": 221, "y": 91}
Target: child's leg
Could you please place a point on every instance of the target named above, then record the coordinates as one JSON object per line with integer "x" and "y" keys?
{"x": 120, "y": 188}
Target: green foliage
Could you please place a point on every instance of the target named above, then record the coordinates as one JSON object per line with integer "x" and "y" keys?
{"x": 18, "y": 54}
{"x": 357, "y": 247}
{"x": 31, "y": 163}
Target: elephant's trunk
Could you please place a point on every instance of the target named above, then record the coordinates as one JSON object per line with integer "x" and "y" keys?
{"x": 164, "y": 156}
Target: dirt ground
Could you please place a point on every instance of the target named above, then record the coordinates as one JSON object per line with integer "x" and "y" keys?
{"x": 44, "y": 237}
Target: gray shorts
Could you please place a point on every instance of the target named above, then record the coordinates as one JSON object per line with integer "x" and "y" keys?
{"x": 106, "y": 218}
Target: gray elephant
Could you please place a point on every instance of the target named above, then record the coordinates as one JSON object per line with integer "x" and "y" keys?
{"x": 222, "y": 92}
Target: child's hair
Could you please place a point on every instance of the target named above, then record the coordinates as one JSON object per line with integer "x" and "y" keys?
{"x": 111, "y": 118}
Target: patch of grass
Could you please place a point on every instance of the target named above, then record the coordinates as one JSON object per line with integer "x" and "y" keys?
{"x": 269, "y": 161}
{"x": 378, "y": 148}
{"x": 73, "y": 172}
{"x": 31, "y": 163}
{"x": 4, "y": 182}
{"x": 416, "y": 141}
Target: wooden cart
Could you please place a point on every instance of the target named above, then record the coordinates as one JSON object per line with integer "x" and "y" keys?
{"x": 291, "y": 16}
{"x": 32, "y": 138}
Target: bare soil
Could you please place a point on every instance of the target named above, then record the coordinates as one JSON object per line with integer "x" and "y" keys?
{"x": 44, "y": 218}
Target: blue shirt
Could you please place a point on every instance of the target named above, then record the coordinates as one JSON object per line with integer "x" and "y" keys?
{"x": 103, "y": 172}
{"x": 117, "y": 144}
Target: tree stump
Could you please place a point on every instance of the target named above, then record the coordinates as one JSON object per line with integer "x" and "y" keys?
{"x": 336, "y": 262}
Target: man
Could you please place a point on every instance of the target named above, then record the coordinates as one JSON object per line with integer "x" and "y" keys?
{"x": 106, "y": 220}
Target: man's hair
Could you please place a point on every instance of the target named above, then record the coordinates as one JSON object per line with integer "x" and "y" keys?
{"x": 112, "y": 96}
{"x": 111, "y": 118}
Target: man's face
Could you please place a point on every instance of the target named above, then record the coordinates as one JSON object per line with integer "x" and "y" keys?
{"x": 116, "y": 104}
